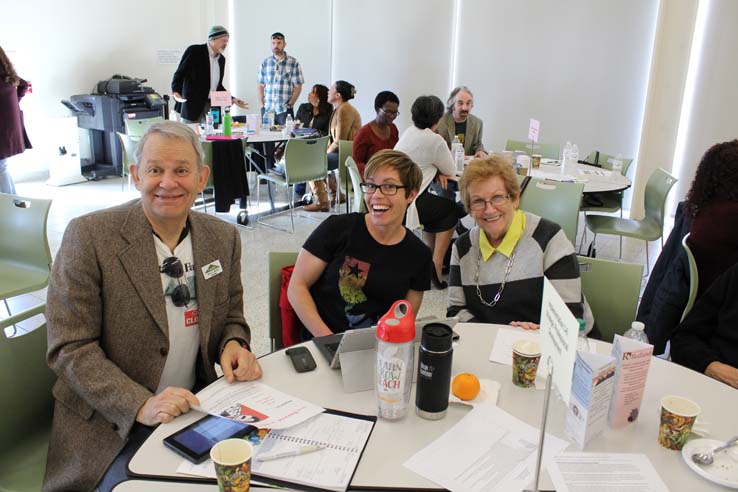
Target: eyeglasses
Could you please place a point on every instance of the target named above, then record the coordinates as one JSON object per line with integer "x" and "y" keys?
{"x": 479, "y": 204}
{"x": 180, "y": 295}
{"x": 391, "y": 114}
{"x": 388, "y": 189}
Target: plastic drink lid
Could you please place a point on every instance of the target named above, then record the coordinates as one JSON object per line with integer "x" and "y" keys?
{"x": 398, "y": 324}
{"x": 637, "y": 325}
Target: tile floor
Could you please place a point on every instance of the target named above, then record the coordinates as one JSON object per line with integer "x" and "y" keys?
{"x": 74, "y": 200}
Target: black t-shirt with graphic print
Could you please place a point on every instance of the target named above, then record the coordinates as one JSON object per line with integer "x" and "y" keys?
{"x": 460, "y": 131}
{"x": 363, "y": 278}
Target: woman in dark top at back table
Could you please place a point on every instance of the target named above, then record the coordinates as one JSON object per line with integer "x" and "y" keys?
{"x": 380, "y": 133}
{"x": 316, "y": 113}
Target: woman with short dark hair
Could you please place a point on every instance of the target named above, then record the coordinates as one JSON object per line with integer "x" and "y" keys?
{"x": 380, "y": 133}
{"x": 437, "y": 215}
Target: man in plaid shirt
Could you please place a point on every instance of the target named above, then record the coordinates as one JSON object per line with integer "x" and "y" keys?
{"x": 280, "y": 81}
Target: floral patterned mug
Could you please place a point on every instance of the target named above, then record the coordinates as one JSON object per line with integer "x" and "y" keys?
{"x": 677, "y": 418}
{"x": 232, "y": 460}
{"x": 526, "y": 355}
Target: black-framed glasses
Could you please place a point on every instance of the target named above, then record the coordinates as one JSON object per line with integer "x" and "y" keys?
{"x": 387, "y": 188}
{"x": 172, "y": 267}
{"x": 479, "y": 204}
{"x": 391, "y": 114}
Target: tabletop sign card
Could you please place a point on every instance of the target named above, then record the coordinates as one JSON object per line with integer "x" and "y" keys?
{"x": 559, "y": 332}
{"x": 591, "y": 392}
{"x": 633, "y": 359}
{"x": 220, "y": 98}
{"x": 533, "y": 130}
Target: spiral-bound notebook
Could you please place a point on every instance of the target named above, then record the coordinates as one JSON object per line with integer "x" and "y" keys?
{"x": 342, "y": 436}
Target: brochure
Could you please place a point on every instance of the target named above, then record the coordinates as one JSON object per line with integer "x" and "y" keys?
{"x": 591, "y": 392}
{"x": 633, "y": 359}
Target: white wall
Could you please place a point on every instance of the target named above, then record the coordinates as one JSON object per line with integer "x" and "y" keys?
{"x": 65, "y": 48}
{"x": 579, "y": 66}
{"x": 392, "y": 45}
{"x": 307, "y": 30}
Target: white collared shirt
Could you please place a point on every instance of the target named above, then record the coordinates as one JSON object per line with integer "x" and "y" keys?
{"x": 214, "y": 68}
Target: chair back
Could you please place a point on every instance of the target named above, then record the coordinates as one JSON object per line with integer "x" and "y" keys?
{"x": 693, "y": 277}
{"x": 25, "y": 426}
{"x": 128, "y": 145}
{"x": 358, "y": 204}
{"x": 25, "y": 259}
{"x": 556, "y": 201}
{"x": 611, "y": 289}
{"x": 305, "y": 159}
{"x": 136, "y": 128}
{"x": 605, "y": 160}
{"x": 657, "y": 189}
{"x": 277, "y": 261}
{"x": 547, "y": 151}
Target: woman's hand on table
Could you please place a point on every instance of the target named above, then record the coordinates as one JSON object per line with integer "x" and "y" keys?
{"x": 443, "y": 179}
{"x": 723, "y": 372}
{"x": 526, "y": 325}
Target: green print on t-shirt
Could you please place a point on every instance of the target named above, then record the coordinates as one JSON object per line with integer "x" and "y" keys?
{"x": 351, "y": 280}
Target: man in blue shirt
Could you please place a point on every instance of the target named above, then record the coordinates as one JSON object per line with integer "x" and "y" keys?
{"x": 280, "y": 81}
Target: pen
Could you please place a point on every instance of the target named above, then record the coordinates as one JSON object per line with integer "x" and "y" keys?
{"x": 287, "y": 454}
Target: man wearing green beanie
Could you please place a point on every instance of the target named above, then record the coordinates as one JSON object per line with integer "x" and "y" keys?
{"x": 200, "y": 71}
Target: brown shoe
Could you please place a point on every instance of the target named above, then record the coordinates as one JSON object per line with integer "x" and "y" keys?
{"x": 320, "y": 202}
{"x": 333, "y": 198}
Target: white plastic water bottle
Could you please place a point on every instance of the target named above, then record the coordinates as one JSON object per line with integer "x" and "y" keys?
{"x": 209, "y": 126}
{"x": 289, "y": 125}
{"x": 395, "y": 360}
{"x": 636, "y": 332}
{"x": 617, "y": 164}
{"x": 457, "y": 151}
{"x": 565, "y": 156}
{"x": 574, "y": 156}
{"x": 582, "y": 340}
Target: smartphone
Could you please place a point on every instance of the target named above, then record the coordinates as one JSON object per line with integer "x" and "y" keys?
{"x": 194, "y": 441}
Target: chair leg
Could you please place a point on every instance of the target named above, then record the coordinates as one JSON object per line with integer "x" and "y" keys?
{"x": 647, "y": 262}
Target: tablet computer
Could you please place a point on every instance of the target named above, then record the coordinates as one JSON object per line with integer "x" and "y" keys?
{"x": 194, "y": 441}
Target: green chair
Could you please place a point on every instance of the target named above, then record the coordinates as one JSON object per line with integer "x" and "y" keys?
{"x": 277, "y": 261}
{"x": 556, "y": 201}
{"x": 25, "y": 383}
{"x": 357, "y": 204}
{"x": 345, "y": 148}
{"x": 304, "y": 160}
{"x": 612, "y": 201}
{"x": 693, "y": 277}
{"x": 25, "y": 259}
{"x": 136, "y": 128}
{"x": 649, "y": 228}
{"x": 612, "y": 289}
{"x": 546, "y": 151}
{"x": 128, "y": 145}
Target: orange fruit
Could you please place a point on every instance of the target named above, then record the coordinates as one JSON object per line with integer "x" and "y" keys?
{"x": 465, "y": 386}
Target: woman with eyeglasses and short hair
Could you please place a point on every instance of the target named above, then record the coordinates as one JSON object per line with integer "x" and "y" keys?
{"x": 438, "y": 215}
{"x": 354, "y": 266}
{"x": 497, "y": 267}
{"x": 380, "y": 133}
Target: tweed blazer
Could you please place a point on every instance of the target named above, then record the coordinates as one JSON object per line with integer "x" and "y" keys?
{"x": 108, "y": 332}
{"x": 472, "y": 138}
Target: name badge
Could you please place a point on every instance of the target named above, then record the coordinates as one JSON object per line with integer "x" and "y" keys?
{"x": 212, "y": 269}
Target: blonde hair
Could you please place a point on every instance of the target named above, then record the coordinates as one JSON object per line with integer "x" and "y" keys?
{"x": 483, "y": 169}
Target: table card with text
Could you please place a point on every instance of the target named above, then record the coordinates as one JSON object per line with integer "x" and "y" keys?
{"x": 220, "y": 98}
{"x": 559, "y": 332}
{"x": 533, "y": 130}
{"x": 591, "y": 392}
{"x": 633, "y": 359}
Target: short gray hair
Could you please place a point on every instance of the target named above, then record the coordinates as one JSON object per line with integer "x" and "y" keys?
{"x": 171, "y": 130}
{"x": 452, "y": 98}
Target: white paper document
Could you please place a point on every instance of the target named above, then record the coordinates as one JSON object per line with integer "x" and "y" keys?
{"x": 595, "y": 172}
{"x": 255, "y": 403}
{"x": 489, "y": 450}
{"x": 502, "y": 348}
{"x": 614, "y": 472}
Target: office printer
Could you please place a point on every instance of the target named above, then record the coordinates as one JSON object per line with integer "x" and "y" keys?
{"x": 103, "y": 113}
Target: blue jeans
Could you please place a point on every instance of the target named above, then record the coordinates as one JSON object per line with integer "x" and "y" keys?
{"x": 6, "y": 182}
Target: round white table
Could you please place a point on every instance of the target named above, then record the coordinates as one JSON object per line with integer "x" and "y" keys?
{"x": 595, "y": 179}
{"x": 392, "y": 443}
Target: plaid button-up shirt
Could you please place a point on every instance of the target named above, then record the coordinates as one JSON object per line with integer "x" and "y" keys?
{"x": 279, "y": 78}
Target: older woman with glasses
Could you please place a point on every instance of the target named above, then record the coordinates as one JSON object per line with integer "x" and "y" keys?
{"x": 380, "y": 133}
{"x": 354, "y": 266}
{"x": 497, "y": 267}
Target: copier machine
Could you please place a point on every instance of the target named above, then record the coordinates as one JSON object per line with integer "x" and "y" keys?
{"x": 103, "y": 113}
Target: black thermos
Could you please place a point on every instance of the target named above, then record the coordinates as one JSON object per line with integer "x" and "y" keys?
{"x": 434, "y": 371}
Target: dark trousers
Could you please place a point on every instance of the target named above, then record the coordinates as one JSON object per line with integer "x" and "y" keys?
{"x": 118, "y": 470}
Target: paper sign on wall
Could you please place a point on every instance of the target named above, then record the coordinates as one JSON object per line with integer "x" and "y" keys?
{"x": 220, "y": 98}
{"x": 168, "y": 57}
{"x": 533, "y": 130}
{"x": 559, "y": 332}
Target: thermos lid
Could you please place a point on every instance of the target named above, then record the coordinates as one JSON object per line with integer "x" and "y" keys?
{"x": 437, "y": 337}
{"x": 398, "y": 324}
